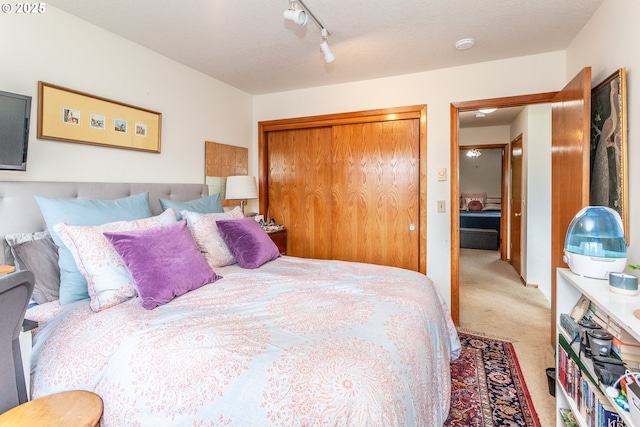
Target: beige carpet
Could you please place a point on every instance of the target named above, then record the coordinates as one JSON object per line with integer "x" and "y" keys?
{"x": 495, "y": 303}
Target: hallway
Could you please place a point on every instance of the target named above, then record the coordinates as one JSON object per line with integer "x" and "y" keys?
{"x": 494, "y": 303}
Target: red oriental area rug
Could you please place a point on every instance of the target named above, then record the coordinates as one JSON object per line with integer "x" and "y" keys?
{"x": 487, "y": 386}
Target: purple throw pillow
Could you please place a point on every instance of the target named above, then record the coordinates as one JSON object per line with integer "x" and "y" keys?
{"x": 163, "y": 261}
{"x": 248, "y": 242}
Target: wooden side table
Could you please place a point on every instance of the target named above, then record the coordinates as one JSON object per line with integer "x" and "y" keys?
{"x": 76, "y": 408}
{"x": 279, "y": 237}
{"x": 5, "y": 269}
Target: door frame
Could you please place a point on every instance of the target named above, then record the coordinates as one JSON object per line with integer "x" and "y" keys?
{"x": 367, "y": 116}
{"x": 455, "y": 109}
{"x": 504, "y": 189}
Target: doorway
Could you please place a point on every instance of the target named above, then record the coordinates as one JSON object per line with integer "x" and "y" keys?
{"x": 483, "y": 169}
{"x": 515, "y": 216}
{"x": 455, "y": 110}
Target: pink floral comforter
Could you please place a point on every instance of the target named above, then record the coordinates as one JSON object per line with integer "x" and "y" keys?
{"x": 297, "y": 342}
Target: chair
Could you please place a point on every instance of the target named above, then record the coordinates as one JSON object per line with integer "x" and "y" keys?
{"x": 15, "y": 292}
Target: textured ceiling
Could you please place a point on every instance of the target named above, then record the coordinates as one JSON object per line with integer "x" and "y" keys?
{"x": 248, "y": 44}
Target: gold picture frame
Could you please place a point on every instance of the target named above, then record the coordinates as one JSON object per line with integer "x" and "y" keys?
{"x": 71, "y": 116}
{"x": 608, "y": 147}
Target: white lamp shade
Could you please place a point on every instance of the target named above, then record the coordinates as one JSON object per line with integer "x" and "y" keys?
{"x": 241, "y": 187}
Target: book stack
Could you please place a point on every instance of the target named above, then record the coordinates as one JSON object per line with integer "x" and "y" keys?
{"x": 623, "y": 345}
{"x": 579, "y": 385}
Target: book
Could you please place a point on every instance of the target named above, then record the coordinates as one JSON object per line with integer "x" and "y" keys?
{"x": 611, "y": 325}
{"x": 609, "y": 417}
{"x": 568, "y": 418}
{"x": 625, "y": 347}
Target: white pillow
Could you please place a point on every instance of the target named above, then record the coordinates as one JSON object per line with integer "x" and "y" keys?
{"x": 492, "y": 207}
{"x": 109, "y": 282}
{"x": 205, "y": 232}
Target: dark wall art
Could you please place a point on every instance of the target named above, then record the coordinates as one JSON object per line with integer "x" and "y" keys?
{"x": 609, "y": 173}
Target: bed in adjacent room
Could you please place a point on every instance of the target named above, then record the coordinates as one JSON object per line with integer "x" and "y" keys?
{"x": 247, "y": 337}
{"x": 480, "y": 218}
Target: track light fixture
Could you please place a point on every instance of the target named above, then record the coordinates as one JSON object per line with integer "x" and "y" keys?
{"x": 324, "y": 47}
{"x": 295, "y": 14}
{"x": 298, "y": 12}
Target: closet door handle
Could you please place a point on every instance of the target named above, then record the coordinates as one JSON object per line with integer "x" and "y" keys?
{"x": 517, "y": 214}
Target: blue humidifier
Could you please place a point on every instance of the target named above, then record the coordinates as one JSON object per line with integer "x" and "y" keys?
{"x": 595, "y": 245}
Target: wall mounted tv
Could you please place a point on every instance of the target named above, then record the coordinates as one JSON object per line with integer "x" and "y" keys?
{"x": 15, "y": 111}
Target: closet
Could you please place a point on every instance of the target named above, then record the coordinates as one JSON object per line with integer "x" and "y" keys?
{"x": 348, "y": 186}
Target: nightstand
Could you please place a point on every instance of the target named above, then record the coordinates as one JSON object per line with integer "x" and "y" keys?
{"x": 279, "y": 237}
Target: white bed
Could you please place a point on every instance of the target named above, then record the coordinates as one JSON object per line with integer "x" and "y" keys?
{"x": 293, "y": 342}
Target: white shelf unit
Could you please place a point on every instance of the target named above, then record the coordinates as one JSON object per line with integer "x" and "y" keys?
{"x": 569, "y": 288}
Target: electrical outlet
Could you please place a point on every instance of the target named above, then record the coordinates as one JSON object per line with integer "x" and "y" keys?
{"x": 442, "y": 207}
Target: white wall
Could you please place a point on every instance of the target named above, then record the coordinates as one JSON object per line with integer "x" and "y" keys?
{"x": 484, "y": 135}
{"x": 60, "y": 49}
{"x": 437, "y": 89}
{"x": 519, "y": 127}
{"x": 486, "y": 173}
{"x": 608, "y": 42}
{"x": 537, "y": 207}
{"x": 481, "y": 174}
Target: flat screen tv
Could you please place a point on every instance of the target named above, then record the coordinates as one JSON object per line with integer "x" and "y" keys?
{"x": 15, "y": 112}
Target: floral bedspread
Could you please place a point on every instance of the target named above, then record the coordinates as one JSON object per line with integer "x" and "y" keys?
{"x": 297, "y": 342}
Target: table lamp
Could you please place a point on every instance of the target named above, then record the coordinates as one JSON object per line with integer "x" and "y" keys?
{"x": 241, "y": 187}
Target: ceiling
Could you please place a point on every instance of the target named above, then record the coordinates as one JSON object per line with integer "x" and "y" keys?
{"x": 500, "y": 117}
{"x": 249, "y": 45}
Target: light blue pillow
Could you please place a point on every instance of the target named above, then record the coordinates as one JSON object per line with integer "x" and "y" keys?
{"x": 204, "y": 205}
{"x": 73, "y": 285}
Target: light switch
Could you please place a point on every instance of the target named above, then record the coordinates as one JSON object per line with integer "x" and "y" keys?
{"x": 442, "y": 207}
{"x": 442, "y": 174}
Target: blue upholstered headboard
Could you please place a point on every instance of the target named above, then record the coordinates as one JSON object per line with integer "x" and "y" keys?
{"x": 19, "y": 212}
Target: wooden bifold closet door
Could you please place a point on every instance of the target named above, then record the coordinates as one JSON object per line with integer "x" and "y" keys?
{"x": 349, "y": 191}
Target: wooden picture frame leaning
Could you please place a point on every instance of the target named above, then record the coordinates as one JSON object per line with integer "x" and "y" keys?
{"x": 608, "y": 147}
{"x": 71, "y": 116}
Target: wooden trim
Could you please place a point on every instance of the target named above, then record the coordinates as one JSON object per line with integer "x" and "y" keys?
{"x": 455, "y": 109}
{"x": 422, "y": 255}
{"x": 510, "y": 101}
{"x": 367, "y": 116}
{"x": 455, "y": 215}
{"x": 481, "y": 146}
{"x": 504, "y": 208}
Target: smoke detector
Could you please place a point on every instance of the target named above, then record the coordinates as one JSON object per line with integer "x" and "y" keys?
{"x": 464, "y": 44}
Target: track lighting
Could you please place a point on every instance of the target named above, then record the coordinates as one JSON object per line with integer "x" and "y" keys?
{"x": 298, "y": 12}
{"x": 324, "y": 47}
{"x": 295, "y": 14}
{"x": 328, "y": 55}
